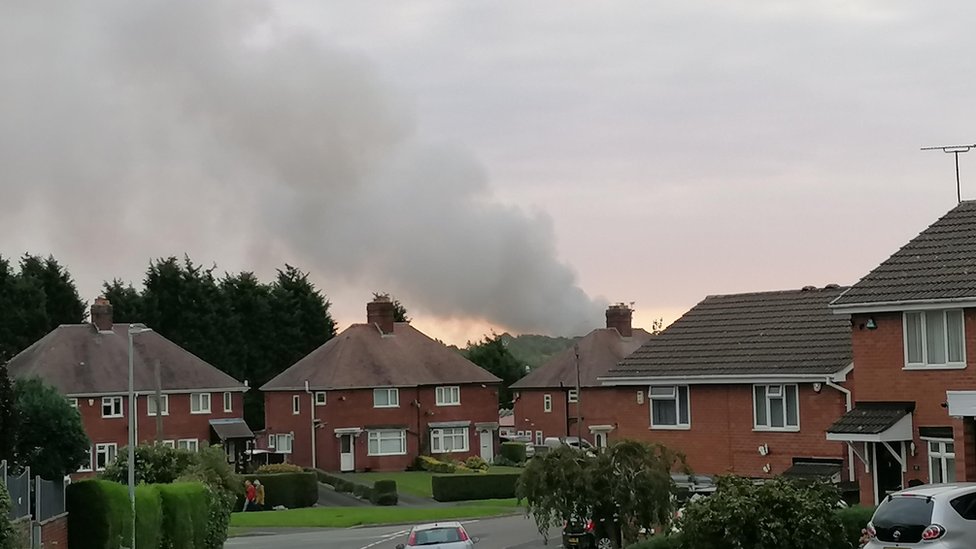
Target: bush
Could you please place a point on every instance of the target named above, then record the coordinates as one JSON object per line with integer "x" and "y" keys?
{"x": 271, "y": 468}
{"x": 659, "y": 542}
{"x": 854, "y": 520}
{"x": 223, "y": 487}
{"x": 155, "y": 464}
{"x": 99, "y": 515}
{"x": 465, "y": 487}
{"x": 149, "y": 517}
{"x": 181, "y": 505}
{"x": 384, "y": 493}
{"x": 475, "y": 463}
{"x": 505, "y": 462}
{"x": 291, "y": 490}
{"x": 7, "y": 533}
{"x": 427, "y": 463}
{"x": 514, "y": 452}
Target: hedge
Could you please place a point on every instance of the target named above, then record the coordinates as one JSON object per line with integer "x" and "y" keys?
{"x": 149, "y": 516}
{"x": 465, "y": 487}
{"x": 854, "y": 519}
{"x": 659, "y": 542}
{"x": 384, "y": 493}
{"x": 513, "y": 451}
{"x": 185, "y": 515}
{"x": 290, "y": 490}
{"x": 100, "y": 517}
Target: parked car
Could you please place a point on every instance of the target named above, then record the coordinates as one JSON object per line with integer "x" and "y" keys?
{"x": 933, "y": 516}
{"x": 572, "y": 442}
{"x": 445, "y": 535}
{"x": 587, "y": 534}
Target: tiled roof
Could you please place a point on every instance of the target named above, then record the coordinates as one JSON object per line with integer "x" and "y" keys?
{"x": 77, "y": 359}
{"x": 938, "y": 264}
{"x": 599, "y": 351}
{"x": 871, "y": 418}
{"x": 362, "y": 357}
{"x": 768, "y": 333}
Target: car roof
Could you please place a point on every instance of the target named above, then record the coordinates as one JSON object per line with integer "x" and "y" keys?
{"x": 435, "y": 525}
{"x": 938, "y": 490}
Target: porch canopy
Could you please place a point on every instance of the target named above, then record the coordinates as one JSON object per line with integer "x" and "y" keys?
{"x": 874, "y": 422}
{"x": 231, "y": 429}
{"x": 961, "y": 403}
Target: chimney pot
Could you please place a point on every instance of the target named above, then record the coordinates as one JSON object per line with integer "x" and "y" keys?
{"x": 380, "y": 312}
{"x": 101, "y": 314}
{"x": 620, "y": 316}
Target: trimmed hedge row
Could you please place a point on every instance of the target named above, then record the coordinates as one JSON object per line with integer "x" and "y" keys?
{"x": 465, "y": 487}
{"x": 513, "y": 451}
{"x": 167, "y": 515}
{"x": 290, "y": 490}
{"x": 382, "y": 492}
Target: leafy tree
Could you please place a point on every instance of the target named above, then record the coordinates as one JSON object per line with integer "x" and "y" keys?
{"x": 8, "y": 417}
{"x": 623, "y": 489}
{"x": 534, "y": 350}
{"x": 62, "y": 304}
{"x": 50, "y": 436}
{"x": 493, "y": 355}
{"x": 250, "y": 338}
{"x": 779, "y": 514}
{"x": 126, "y": 302}
{"x": 8, "y": 536}
{"x": 155, "y": 464}
{"x": 24, "y": 319}
{"x": 399, "y": 311}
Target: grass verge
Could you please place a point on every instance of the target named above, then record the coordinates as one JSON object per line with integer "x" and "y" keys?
{"x": 417, "y": 483}
{"x": 344, "y": 517}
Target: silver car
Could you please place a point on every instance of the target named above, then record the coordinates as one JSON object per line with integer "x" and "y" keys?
{"x": 933, "y": 516}
{"x": 439, "y": 535}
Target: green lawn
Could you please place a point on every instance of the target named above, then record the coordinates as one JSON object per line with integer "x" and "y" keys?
{"x": 344, "y": 517}
{"x": 417, "y": 483}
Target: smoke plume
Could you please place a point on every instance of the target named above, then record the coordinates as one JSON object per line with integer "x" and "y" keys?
{"x": 138, "y": 129}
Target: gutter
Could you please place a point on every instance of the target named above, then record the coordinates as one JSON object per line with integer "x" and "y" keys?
{"x": 849, "y": 402}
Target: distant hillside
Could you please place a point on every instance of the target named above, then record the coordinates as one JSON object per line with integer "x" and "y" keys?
{"x": 534, "y": 350}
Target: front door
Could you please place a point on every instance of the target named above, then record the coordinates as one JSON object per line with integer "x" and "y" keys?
{"x": 887, "y": 470}
{"x": 347, "y": 454}
{"x": 600, "y": 439}
{"x": 487, "y": 445}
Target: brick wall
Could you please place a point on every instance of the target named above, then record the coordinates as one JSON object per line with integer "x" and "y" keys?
{"x": 598, "y": 406}
{"x": 879, "y": 357}
{"x": 354, "y": 409}
{"x": 722, "y": 438}
{"x": 54, "y": 532}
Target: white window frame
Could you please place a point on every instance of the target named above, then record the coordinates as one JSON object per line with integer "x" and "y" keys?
{"x": 321, "y": 398}
{"x": 547, "y": 403}
{"x": 199, "y": 398}
{"x": 448, "y": 395}
{"x": 941, "y": 455}
{"x": 674, "y": 396}
{"x": 87, "y": 466}
{"x": 440, "y": 436}
{"x": 572, "y": 396}
{"x": 151, "y": 399}
{"x": 111, "y": 450}
{"x": 925, "y": 365}
{"x": 228, "y": 401}
{"x": 73, "y": 402}
{"x": 112, "y": 401}
{"x": 782, "y": 393}
{"x": 190, "y": 444}
{"x": 539, "y": 438}
{"x": 169, "y": 444}
{"x": 384, "y": 434}
{"x": 392, "y": 397}
{"x": 296, "y": 404}
{"x": 283, "y": 443}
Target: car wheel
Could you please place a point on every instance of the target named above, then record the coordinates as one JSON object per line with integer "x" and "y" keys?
{"x": 604, "y": 543}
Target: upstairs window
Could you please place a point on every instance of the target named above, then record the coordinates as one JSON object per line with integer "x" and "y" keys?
{"x": 547, "y": 403}
{"x": 572, "y": 396}
{"x": 111, "y": 406}
{"x": 228, "y": 402}
{"x": 776, "y": 408}
{"x": 200, "y": 403}
{"x": 162, "y": 406}
{"x": 669, "y": 407}
{"x": 934, "y": 339}
{"x": 386, "y": 398}
{"x": 448, "y": 396}
{"x": 320, "y": 398}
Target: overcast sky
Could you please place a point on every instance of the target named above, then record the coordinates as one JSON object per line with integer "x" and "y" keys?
{"x": 494, "y": 164}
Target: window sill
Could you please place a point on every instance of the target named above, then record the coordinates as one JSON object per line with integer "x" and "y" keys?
{"x": 448, "y": 404}
{"x": 386, "y": 455}
{"x": 387, "y": 406}
{"x": 200, "y": 413}
{"x": 113, "y": 417}
{"x": 936, "y": 367}
{"x": 670, "y": 427}
{"x": 776, "y": 429}
{"x": 164, "y": 414}
{"x": 449, "y": 451}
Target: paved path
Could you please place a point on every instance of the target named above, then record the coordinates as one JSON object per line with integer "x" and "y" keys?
{"x": 501, "y": 533}
{"x": 328, "y": 497}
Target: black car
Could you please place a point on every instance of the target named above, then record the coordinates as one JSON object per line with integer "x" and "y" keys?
{"x": 586, "y": 534}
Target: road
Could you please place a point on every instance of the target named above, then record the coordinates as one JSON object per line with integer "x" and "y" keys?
{"x": 500, "y": 533}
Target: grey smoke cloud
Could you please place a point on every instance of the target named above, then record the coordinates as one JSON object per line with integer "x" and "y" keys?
{"x": 132, "y": 130}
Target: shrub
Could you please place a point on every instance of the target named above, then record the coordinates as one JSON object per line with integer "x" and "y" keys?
{"x": 7, "y": 533}
{"x": 854, "y": 520}
{"x": 149, "y": 517}
{"x": 659, "y": 542}
{"x": 223, "y": 487}
{"x": 155, "y": 464}
{"x": 99, "y": 515}
{"x": 505, "y": 462}
{"x": 513, "y": 451}
{"x": 271, "y": 468}
{"x": 340, "y": 484}
{"x": 427, "y": 463}
{"x": 384, "y": 493}
{"x": 465, "y": 487}
{"x": 291, "y": 490}
{"x": 178, "y": 517}
{"x": 475, "y": 463}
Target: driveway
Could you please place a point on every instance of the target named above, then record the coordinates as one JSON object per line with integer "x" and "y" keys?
{"x": 328, "y": 497}
{"x": 514, "y": 532}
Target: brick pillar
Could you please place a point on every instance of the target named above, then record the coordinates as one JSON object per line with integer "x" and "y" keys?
{"x": 964, "y": 434}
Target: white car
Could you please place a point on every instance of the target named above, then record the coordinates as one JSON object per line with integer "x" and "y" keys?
{"x": 572, "y": 442}
{"x": 933, "y": 516}
{"x": 439, "y": 535}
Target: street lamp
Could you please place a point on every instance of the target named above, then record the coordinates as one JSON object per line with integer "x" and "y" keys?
{"x": 134, "y": 329}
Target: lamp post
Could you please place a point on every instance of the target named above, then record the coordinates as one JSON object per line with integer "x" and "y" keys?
{"x": 134, "y": 329}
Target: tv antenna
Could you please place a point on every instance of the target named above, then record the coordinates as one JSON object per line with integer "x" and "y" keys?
{"x": 955, "y": 150}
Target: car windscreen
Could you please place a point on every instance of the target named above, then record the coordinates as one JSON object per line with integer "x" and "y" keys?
{"x": 434, "y": 536}
{"x": 903, "y": 518}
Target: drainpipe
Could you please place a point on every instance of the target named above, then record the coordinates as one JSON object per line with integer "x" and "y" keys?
{"x": 850, "y": 405}
{"x": 311, "y": 415}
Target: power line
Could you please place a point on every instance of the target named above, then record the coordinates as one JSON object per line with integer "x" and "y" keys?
{"x": 955, "y": 150}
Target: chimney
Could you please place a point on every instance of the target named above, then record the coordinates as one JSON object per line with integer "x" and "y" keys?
{"x": 380, "y": 312}
{"x": 619, "y": 316}
{"x": 101, "y": 314}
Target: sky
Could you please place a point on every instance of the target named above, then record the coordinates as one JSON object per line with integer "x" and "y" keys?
{"x": 495, "y": 165}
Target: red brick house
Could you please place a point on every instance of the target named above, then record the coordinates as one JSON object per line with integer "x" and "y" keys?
{"x": 914, "y": 344}
{"x": 378, "y": 395}
{"x": 88, "y": 363}
{"x": 547, "y": 403}
{"x": 743, "y": 384}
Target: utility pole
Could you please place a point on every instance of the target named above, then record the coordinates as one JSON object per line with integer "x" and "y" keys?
{"x": 579, "y": 400}
{"x": 954, "y": 150}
